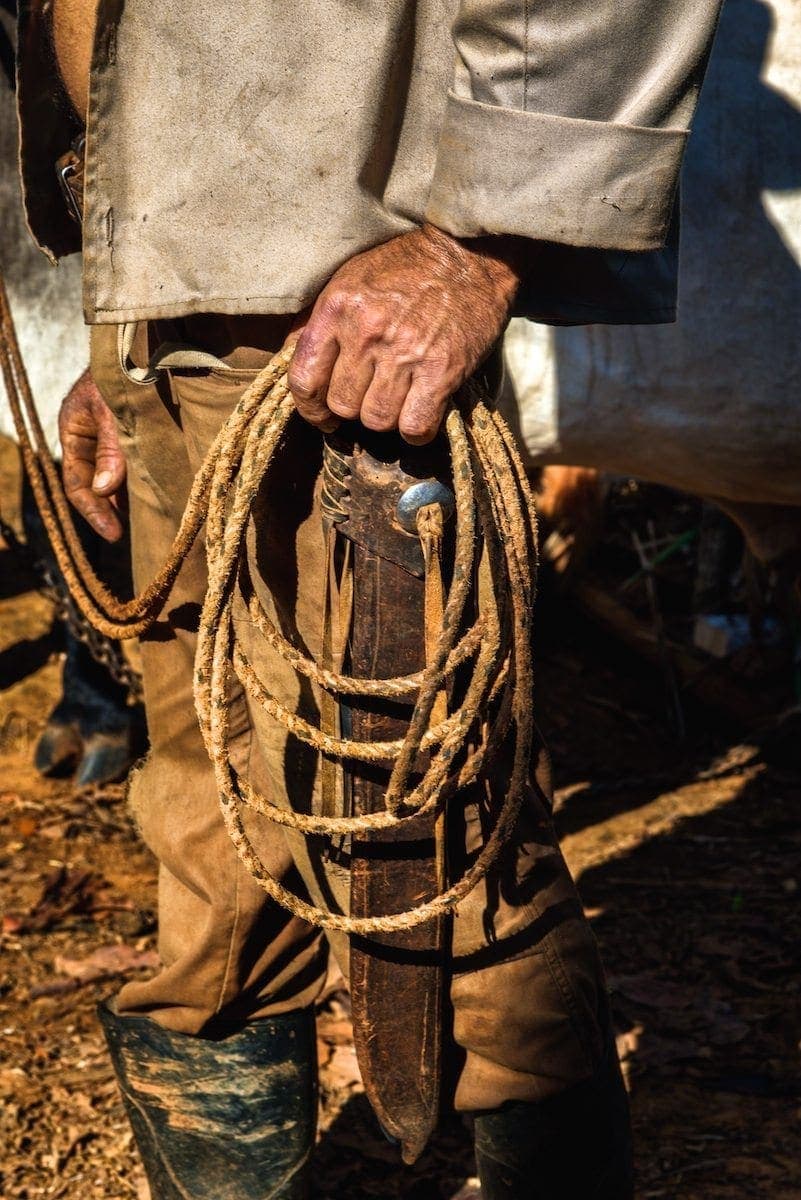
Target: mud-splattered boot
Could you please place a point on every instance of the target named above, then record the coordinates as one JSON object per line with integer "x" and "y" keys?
{"x": 226, "y": 1119}
{"x": 573, "y": 1146}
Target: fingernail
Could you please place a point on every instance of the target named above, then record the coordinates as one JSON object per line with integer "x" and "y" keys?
{"x": 101, "y": 480}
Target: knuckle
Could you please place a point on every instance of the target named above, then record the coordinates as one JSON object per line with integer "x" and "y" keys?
{"x": 354, "y": 299}
{"x": 417, "y": 426}
{"x": 300, "y": 381}
{"x": 361, "y": 316}
{"x": 317, "y": 417}
{"x": 302, "y": 394}
{"x": 419, "y": 435}
{"x": 308, "y": 401}
{"x": 377, "y": 425}
{"x": 372, "y": 322}
{"x": 421, "y": 422}
{"x": 343, "y": 405}
{"x": 105, "y": 464}
{"x": 311, "y": 417}
{"x": 434, "y": 371}
{"x": 84, "y": 506}
{"x": 379, "y": 417}
{"x": 335, "y": 301}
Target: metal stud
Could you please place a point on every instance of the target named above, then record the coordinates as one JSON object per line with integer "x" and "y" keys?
{"x": 428, "y": 491}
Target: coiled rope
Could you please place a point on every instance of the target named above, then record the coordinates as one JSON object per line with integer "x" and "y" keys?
{"x": 494, "y": 511}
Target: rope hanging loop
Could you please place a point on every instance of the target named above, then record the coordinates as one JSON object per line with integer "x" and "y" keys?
{"x": 494, "y": 516}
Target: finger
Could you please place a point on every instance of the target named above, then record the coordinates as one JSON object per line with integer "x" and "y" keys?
{"x": 350, "y": 380}
{"x": 110, "y": 467}
{"x": 78, "y": 469}
{"x": 97, "y": 511}
{"x": 85, "y": 424}
{"x": 385, "y": 397}
{"x": 422, "y": 413}
{"x": 315, "y": 355}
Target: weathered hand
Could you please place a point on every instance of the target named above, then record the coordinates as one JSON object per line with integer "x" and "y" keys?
{"x": 94, "y": 466}
{"x": 399, "y": 328}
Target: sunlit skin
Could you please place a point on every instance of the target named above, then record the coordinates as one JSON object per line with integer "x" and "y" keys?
{"x": 390, "y": 338}
{"x": 399, "y": 328}
{"x": 93, "y": 462}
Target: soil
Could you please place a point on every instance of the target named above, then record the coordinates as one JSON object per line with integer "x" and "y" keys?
{"x": 688, "y": 857}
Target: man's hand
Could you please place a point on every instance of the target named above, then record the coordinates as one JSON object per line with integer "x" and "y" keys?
{"x": 94, "y": 466}
{"x": 399, "y": 328}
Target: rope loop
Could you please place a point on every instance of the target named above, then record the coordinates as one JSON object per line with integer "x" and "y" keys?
{"x": 494, "y": 516}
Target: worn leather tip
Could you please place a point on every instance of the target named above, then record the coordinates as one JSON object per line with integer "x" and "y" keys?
{"x": 412, "y": 1148}
{"x": 412, "y": 1142}
{"x": 408, "y": 1125}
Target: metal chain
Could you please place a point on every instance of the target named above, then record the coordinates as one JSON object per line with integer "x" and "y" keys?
{"x": 102, "y": 649}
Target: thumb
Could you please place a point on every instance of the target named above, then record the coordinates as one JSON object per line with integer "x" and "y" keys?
{"x": 109, "y": 460}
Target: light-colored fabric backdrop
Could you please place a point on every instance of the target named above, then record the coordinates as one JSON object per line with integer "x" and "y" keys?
{"x": 713, "y": 403}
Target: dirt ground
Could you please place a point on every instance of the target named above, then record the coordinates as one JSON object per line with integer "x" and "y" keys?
{"x": 688, "y": 857}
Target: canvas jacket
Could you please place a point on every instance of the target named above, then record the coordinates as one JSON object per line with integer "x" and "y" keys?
{"x": 236, "y": 156}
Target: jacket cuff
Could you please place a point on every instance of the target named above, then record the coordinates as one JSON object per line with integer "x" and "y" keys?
{"x": 554, "y": 179}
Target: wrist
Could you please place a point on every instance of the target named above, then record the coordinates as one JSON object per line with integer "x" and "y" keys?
{"x": 505, "y": 258}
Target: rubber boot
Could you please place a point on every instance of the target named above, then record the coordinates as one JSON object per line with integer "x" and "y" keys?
{"x": 226, "y": 1119}
{"x": 573, "y": 1146}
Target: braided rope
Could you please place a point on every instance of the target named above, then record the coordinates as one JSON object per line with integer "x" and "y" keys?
{"x": 115, "y": 618}
{"x": 494, "y": 511}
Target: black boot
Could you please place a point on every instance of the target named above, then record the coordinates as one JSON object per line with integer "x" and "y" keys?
{"x": 573, "y": 1146}
{"x": 226, "y": 1119}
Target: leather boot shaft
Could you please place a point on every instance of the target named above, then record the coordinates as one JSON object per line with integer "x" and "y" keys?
{"x": 225, "y": 1119}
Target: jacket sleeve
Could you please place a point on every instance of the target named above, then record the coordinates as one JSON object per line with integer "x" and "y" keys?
{"x": 567, "y": 119}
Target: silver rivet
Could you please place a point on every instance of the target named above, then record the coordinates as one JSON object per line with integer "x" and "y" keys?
{"x": 429, "y": 491}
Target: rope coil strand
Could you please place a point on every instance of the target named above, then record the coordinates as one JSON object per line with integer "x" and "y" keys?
{"x": 494, "y": 512}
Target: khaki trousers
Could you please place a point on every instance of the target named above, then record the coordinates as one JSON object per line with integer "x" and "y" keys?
{"x": 529, "y": 1010}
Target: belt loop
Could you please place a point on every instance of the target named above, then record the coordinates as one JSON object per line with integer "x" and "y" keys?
{"x": 166, "y": 357}
{"x": 126, "y": 334}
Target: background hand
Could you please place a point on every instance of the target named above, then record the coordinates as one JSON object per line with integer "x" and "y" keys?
{"x": 94, "y": 466}
{"x": 399, "y": 328}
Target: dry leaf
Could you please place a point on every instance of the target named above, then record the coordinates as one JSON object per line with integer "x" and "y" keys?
{"x": 116, "y": 959}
